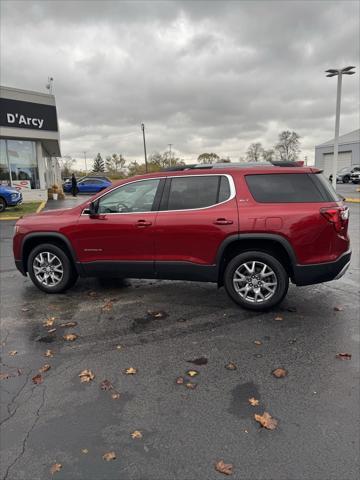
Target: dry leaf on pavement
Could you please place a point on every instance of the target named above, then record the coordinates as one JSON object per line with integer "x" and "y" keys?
{"x": 25, "y": 309}
{"x": 115, "y": 395}
{"x": 84, "y": 451}
{"x": 230, "y": 366}
{"x": 130, "y": 371}
{"x": 37, "y": 379}
{"x": 106, "y": 385}
{"x": 52, "y": 330}
{"x": 190, "y": 385}
{"x": 70, "y": 337}
{"x": 225, "y": 468}
{"x": 4, "y": 376}
{"x": 279, "y": 372}
{"x": 157, "y": 315}
{"x": 338, "y": 308}
{"x": 49, "y": 322}
{"x": 343, "y": 356}
{"x": 44, "y": 368}
{"x": 257, "y": 342}
{"x": 49, "y": 353}
{"x": 253, "y": 401}
{"x": 86, "y": 376}
{"x": 279, "y": 318}
{"x": 107, "y": 307}
{"x": 12, "y": 353}
{"x": 108, "y": 456}
{"x": 56, "y": 467}
{"x": 180, "y": 380}
{"x": 136, "y": 434}
{"x": 266, "y": 421}
{"x": 192, "y": 373}
{"x": 68, "y": 324}
{"x": 199, "y": 361}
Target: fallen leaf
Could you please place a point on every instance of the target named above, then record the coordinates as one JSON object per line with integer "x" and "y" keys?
{"x": 199, "y": 361}
{"x": 68, "y": 324}
{"x": 37, "y": 379}
{"x": 52, "y": 330}
{"x": 136, "y": 434}
{"x": 56, "y": 467}
{"x": 4, "y": 376}
{"x": 343, "y": 356}
{"x": 84, "y": 451}
{"x": 130, "y": 371}
{"x": 253, "y": 401}
{"x": 180, "y": 380}
{"x": 44, "y": 368}
{"x": 49, "y": 353}
{"x": 70, "y": 337}
{"x": 231, "y": 366}
{"x": 106, "y": 385}
{"x": 157, "y": 315}
{"x": 115, "y": 395}
{"x": 225, "y": 468}
{"x": 108, "y": 456}
{"x": 258, "y": 342}
{"x": 118, "y": 347}
{"x": 25, "y": 309}
{"x": 86, "y": 376}
{"x": 192, "y": 373}
{"x": 279, "y": 318}
{"x": 266, "y": 421}
{"x": 49, "y": 322}
{"x": 12, "y": 353}
{"x": 338, "y": 308}
{"x": 279, "y": 372}
{"x": 190, "y": 385}
{"x": 107, "y": 306}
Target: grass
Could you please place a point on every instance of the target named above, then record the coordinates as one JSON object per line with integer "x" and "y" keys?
{"x": 19, "y": 211}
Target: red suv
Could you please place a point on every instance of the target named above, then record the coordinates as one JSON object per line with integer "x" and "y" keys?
{"x": 249, "y": 228}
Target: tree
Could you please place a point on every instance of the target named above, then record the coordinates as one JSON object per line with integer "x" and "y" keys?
{"x": 67, "y": 163}
{"x": 98, "y": 165}
{"x": 288, "y": 146}
{"x": 208, "y": 158}
{"x": 254, "y": 152}
{"x": 165, "y": 160}
{"x": 268, "y": 155}
{"x": 115, "y": 163}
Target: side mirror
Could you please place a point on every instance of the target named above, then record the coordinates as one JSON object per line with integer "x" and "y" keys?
{"x": 93, "y": 208}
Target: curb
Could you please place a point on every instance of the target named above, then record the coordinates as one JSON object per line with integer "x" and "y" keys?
{"x": 352, "y": 200}
{"x": 38, "y": 210}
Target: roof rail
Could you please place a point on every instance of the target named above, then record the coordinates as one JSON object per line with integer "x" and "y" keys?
{"x": 193, "y": 166}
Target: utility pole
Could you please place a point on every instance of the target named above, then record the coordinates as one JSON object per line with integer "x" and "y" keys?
{"x": 339, "y": 73}
{"x": 85, "y": 162}
{"x": 143, "y": 131}
{"x": 170, "y": 145}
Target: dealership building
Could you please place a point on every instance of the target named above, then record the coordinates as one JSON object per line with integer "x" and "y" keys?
{"x": 29, "y": 142}
{"x": 349, "y": 152}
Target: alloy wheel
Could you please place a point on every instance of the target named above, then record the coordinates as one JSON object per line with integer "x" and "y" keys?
{"x": 48, "y": 269}
{"x": 255, "y": 282}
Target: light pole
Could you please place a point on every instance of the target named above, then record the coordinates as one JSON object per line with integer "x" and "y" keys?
{"x": 170, "y": 145}
{"x": 85, "y": 162}
{"x": 143, "y": 131}
{"x": 339, "y": 73}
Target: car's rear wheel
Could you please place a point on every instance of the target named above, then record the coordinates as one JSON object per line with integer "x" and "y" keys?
{"x": 50, "y": 268}
{"x": 2, "y": 204}
{"x": 346, "y": 179}
{"x": 256, "y": 280}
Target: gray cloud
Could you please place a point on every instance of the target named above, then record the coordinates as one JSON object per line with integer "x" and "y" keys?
{"x": 203, "y": 75}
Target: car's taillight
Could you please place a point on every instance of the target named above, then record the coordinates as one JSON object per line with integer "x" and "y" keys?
{"x": 338, "y": 216}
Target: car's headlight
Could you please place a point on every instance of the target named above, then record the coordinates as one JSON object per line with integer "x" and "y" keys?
{"x": 14, "y": 196}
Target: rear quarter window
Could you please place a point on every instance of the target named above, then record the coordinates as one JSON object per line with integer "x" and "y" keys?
{"x": 290, "y": 188}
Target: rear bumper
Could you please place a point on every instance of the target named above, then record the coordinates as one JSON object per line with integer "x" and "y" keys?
{"x": 321, "y": 272}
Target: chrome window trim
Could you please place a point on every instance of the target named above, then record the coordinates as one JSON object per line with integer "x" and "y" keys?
{"x": 231, "y": 197}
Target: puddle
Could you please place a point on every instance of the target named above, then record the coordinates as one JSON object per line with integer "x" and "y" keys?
{"x": 240, "y": 400}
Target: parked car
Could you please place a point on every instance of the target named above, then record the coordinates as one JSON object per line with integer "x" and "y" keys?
{"x": 355, "y": 176}
{"x": 9, "y": 197}
{"x": 89, "y": 185}
{"x": 249, "y": 229}
{"x": 344, "y": 175}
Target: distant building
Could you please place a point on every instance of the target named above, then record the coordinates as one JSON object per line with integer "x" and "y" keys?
{"x": 349, "y": 152}
{"x": 29, "y": 142}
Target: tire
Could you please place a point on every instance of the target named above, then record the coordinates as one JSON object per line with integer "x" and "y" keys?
{"x": 59, "y": 260}
{"x": 277, "y": 280}
{"x": 346, "y": 179}
{"x": 2, "y": 205}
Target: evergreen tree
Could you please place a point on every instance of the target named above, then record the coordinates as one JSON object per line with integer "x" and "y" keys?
{"x": 99, "y": 165}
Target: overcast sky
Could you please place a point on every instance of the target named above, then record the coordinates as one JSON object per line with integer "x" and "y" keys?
{"x": 206, "y": 76}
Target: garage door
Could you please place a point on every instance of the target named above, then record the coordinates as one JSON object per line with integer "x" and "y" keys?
{"x": 344, "y": 160}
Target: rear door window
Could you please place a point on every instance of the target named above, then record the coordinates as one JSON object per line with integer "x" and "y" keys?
{"x": 290, "y": 188}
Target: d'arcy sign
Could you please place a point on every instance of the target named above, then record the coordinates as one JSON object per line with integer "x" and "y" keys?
{"x": 14, "y": 113}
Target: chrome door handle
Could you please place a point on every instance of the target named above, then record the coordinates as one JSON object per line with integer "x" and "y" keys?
{"x": 223, "y": 221}
{"x": 143, "y": 223}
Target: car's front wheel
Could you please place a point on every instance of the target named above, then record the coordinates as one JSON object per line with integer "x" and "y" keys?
{"x": 50, "y": 268}
{"x": 346, "y": 179}
{"x": 256, "y": 280}
{"x": 2, "y": 204}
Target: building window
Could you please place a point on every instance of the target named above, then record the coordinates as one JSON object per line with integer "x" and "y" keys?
{"x": 21, "y": 156}
{"x": 4, "y": 168}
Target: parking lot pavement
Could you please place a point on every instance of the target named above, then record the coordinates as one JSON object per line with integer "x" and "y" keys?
{"x": 184, "y": 431}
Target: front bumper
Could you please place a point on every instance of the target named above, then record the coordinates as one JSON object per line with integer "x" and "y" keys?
{"x": 321, "y": 272}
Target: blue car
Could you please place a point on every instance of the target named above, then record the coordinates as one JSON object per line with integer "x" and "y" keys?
{"x": 9, "y": 197}
{"x": 88, "y": 185}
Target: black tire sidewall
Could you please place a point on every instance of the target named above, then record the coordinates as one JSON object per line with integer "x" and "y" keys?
{"x": 2, "y": 205}
{"x": 277, "y": 267}
{"x": 69, "y": 276}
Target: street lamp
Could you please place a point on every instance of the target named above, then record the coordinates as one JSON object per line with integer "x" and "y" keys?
{"x": 143, "y": 132}
{"x": 339, "y": 73}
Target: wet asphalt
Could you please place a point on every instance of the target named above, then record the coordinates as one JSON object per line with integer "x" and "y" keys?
{"x": 184, "y": 431}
